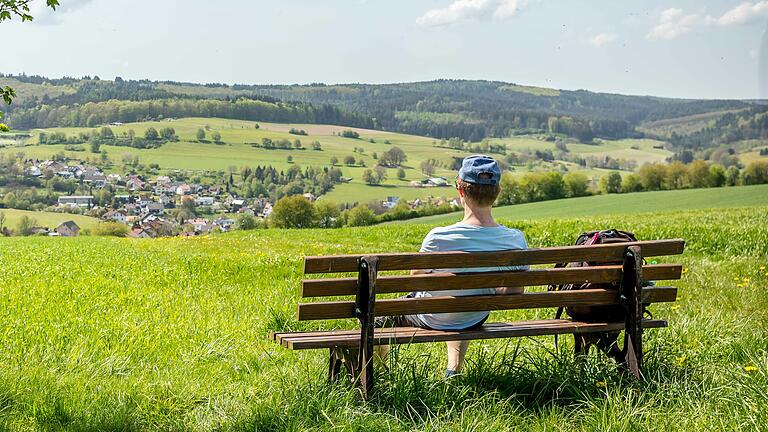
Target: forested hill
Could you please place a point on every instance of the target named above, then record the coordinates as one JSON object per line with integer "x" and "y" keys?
{"x": 470, "y": 110}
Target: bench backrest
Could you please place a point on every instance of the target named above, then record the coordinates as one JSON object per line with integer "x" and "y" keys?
{"x": 368, "y": 267}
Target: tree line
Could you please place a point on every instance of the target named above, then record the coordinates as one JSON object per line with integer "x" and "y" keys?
{"x": 97, "y": 113}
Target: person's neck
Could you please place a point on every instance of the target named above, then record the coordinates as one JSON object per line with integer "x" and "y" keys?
{"x": 480, "y": 216}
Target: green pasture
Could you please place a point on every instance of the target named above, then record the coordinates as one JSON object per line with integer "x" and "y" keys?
{"x": 46, "y": 219}
{"x": 632, "y": 203}
{"x": 172, "y": 334}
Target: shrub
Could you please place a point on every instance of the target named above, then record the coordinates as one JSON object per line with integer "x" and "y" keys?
{"x": 111, "y": 229}
{"x": 360, "y": 216}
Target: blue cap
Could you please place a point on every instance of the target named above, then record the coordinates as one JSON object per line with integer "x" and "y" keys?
{"x": 473, "y": 166}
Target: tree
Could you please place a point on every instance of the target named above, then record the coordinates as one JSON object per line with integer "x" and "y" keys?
{"x": 576, "y": 185}
{"x": 151, "y": 134}
{"x": 350, "y": 134}
{"x": 427, "y": 168}
{"x": 216, "y": 137}
{"x": 360, "y": 215}
{"x": 317, "y": 146}
{"x": 510, "y": 190}
{"x": 611, "y": 183}
{"x": 327, "y": 214}
{"x": 756, "y": 173}
{"x": 395, "y": 156}
{"x": 381, "y": 174}
{"x": 732, "y": 176}
{"x": 292, "y": 212}
{"x": 334, "y": 160}
{"x": 201, "y": 134}
{"x": 25, "y": 226}
{"x": 289, "y": 159}
{"x": 247, "y": 222}
{"x": 95, "y": 146}
{"x": 168, "y": 133}
{"x": 369, "y": 177}
{"x": 716, "y": 176}
{"x": 653, "y": 176}
{"x": 698, "y": 174}
{"x": 2, "y": 222}
{"x": 631, "y": 183}
{"x": 400, "y": 174}
{"x": 349, "y": 160}
{"x": 106, "y": 133}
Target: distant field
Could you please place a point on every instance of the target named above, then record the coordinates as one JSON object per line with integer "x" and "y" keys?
{"x": 47, "y": 219}
{"x": 236, "y": 151}
{"x": 641, "y": 202}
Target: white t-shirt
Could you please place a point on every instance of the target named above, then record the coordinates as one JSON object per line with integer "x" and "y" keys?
{"x": 467, "y": 238}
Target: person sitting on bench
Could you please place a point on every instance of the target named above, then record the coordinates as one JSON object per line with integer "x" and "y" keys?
{"x": 478, "y": 187}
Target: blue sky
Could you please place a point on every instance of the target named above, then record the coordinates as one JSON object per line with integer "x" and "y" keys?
{"x": 695, "y": 49}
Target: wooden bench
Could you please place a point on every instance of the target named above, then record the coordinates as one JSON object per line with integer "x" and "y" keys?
{"x": 353, "y": 349}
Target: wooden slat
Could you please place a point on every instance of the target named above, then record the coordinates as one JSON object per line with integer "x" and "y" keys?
{"x": 409, "y": 306}
{"x": 442, "y": 260}
{"x": 405, "y": 335}
{"x": 450, "y": 281}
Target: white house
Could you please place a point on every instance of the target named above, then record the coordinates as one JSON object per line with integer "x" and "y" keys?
{"x": 33, "y": 171}
{"x": 76, "y": 200}
{"x": 224, "y": 224}
{"x": 205, "y": 201}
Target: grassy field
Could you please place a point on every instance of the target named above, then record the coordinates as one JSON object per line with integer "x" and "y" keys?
{"x": 47, "y": 219}
{"x": 641, "y": 202}
{"x": 236, "y": 152}
{"x": 171, "y": 334}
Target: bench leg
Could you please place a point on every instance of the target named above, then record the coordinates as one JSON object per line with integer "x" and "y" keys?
{"x": 580, "y": 345}
{"x": 342, "y": 357}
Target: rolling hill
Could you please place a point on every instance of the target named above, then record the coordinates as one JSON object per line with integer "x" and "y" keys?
{"x": 631, "y": 204}
{"x": 236, "y": 150}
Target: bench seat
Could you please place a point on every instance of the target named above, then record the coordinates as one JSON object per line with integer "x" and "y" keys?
{"x": 405, "y": 335}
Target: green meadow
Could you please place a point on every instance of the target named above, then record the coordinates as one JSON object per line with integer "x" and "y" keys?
{"x": 47, "y": 219}
{"x": 172, "y": 334}
{"x": 631, "y": 203}
{"x": 236, "y": 151}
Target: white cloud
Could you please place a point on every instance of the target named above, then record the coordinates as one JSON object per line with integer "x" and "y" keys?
{"x": 602, "y": 39}
{"x": 47, "y": 16}
{"x": 462, "y": 10}
{"x": 673, "y": 23}
{"x": 745, "y": 13}
{"x": 508, "y": 8}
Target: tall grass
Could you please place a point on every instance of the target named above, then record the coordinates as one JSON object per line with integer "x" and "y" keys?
{"x": 171, "y": 334}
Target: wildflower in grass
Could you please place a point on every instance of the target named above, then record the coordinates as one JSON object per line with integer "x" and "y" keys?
{"x": 601, "y": 384}
{"x": 685, "y": 270}
{"x": 762, "y": 268}
{"x": 675, "y": 307}
{"x": 750, "y": 368}
{"x": 681, "y": 360}
{"x": 739, "y": 285}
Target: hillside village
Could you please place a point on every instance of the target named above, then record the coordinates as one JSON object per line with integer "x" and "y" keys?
{"x": 163, "y": 206}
